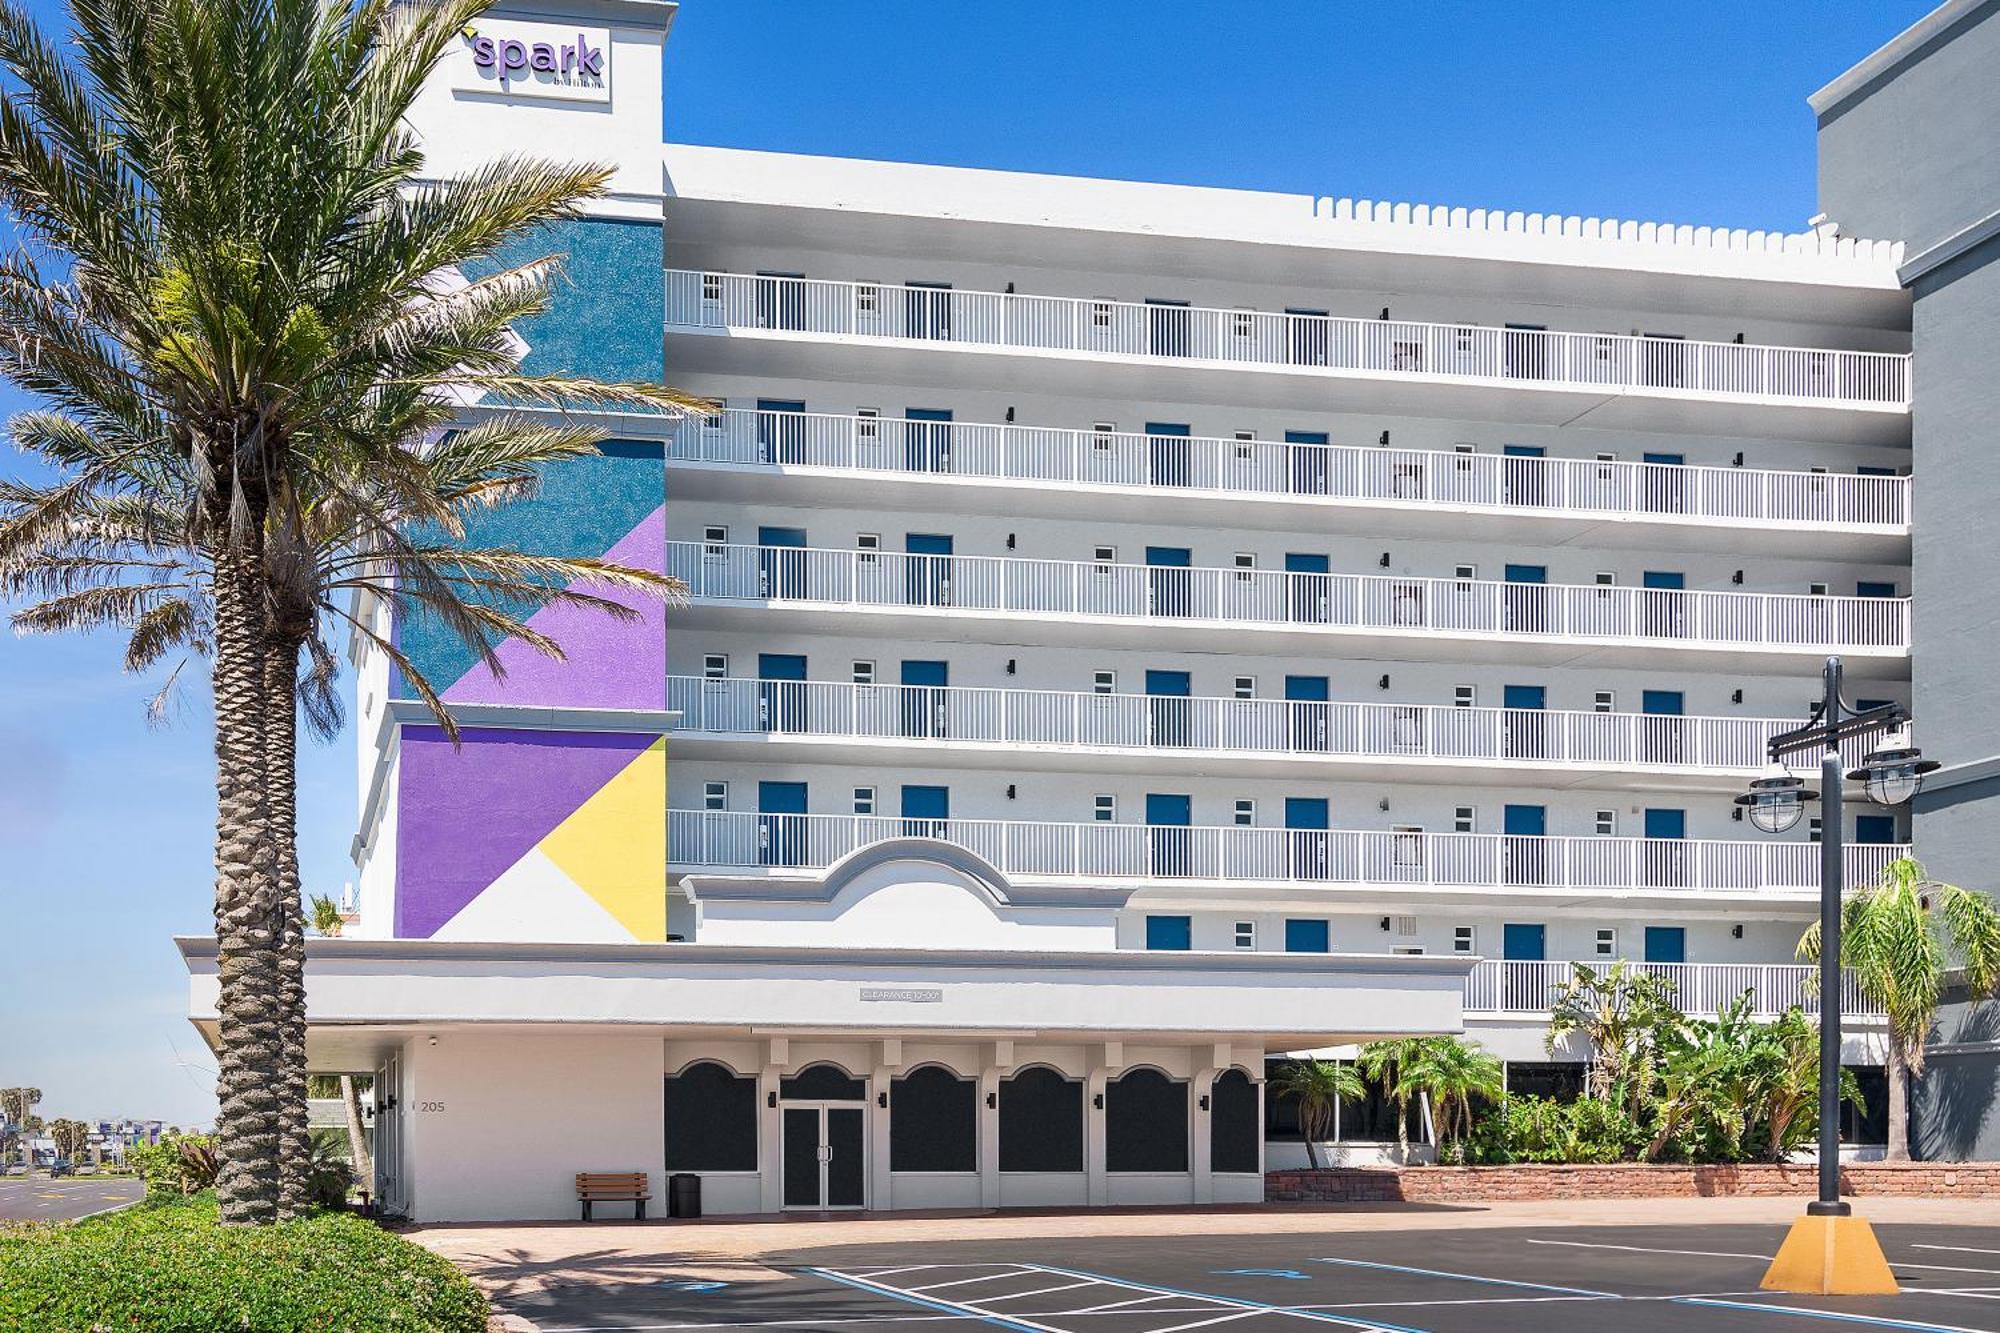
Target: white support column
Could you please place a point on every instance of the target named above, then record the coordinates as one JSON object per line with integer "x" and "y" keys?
{"x": 999, "y": 1063}
{"x": 771, "y": 1125}
{"x": 888, "y": 1063}
{"x": 1108, "y": 1059}
{"x": 1201, "y": 1106}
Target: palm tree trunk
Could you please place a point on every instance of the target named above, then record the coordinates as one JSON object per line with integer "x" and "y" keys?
{"x": 1899, "y": 1101}
{"x": 247, "y": 920}
{"x": 358, "y": 1155}
{"x": 281, "y": 668}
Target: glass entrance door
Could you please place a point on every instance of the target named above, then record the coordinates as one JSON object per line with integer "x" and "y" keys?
{"x": 824, "y": 1164}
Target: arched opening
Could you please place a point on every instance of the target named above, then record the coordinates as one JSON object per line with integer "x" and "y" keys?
{"x": 933, "y": 1121}
{"x": 1146, "y": 1123}
{"x": 1233, "y": 1123}
{"x": 822, "y": 1083}
{"x": 711, "y": 1119}
{"x": 1041, "y": 1121}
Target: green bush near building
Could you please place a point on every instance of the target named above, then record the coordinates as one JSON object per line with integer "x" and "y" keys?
{"x": 168, "y": 1265}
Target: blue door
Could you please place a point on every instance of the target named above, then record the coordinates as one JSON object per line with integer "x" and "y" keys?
{"x": 1169, "y": 455}
{"x": 1169, "y": 328}
{"x": 1524, "y": 469}
{"x": 1524, "y": 828}
{"x": 781, "y": 430}
{"x": 1308, "y": 818}
{"x": 1171, "y": 841}
{"x": 1173, "y": 933}
{"x": 1661, "y": 730}
{"x": 1169, "y": 581}
{"x": 1307, "y": 935}
{"x": 1524, "y": 727}
{"x": 924, "y": 699}
{"x": 1666, "y": 944}
{"x": 1663, "y": 484}
{"x": 1308, "y": 586}
{"x": 927, "y": 439}
{"x": 1309, "y": 717}
{"x": 781, "y": 692}
{"x": 1527, "y": 603}
{"x": 1525, "y": 942}
{"x": 1307, "y": 330}
{"x": 783, "y": 835}
{"x": 781, "y": 562}
{"x": 927, "y": 310}
{"x": 1874, "y": 830}
{"x": 1169, "y": 711}
{"x": 1308, "y": 460}
{"x": 1663, "y": 603}
{"x": 925, "y": 810}
{"x": 1664, "y": 853}
{"x": 927, "y": 576}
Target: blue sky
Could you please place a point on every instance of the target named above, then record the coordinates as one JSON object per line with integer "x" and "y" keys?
{"x": 1689, "y": 110}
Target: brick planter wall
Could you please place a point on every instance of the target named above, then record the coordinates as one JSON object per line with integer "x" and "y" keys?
{"x": 1482, "y": 1184}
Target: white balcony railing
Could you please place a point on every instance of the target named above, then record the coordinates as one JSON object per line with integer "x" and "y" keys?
{"x": 1528, "y": 987}
{"x": 1300, "y": 470}
{"x": 1053, "y": 718}
{"x": 1139, "y": 852}
{"x": 1596, "y": 362}
{"x": 1391, "y": 604}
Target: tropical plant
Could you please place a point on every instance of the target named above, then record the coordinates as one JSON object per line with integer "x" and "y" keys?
{"x": 1622, "y": 1013}
{"x": 1454, "y": 1074}
{"x": 1384, "y": 1063}
{"x": 17, "y": 1108}
{"x": 70, "y": 1137}
{"x": 327, "y": 920}
{"x": 1318, "y": 1086}
{"x": 228, "y": 298}
{"x": 1901, "y": 939}
{"x": 1545, "y": 1129}
{"x": 177, "y": 1164}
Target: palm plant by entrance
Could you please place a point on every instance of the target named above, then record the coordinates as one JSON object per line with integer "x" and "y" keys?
{"x": 1902, "y": 938}
{"x": 228, "y": 301}
{"x": 1318, "y": 1086}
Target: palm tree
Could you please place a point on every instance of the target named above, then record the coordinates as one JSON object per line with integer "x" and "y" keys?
{"x": 1901, "y": 939}
{"x": 1318, "y": 1086}
{"x": 1387, "y": 1063}
{"x": 227, "y": 299}
{"x": 1623, "y": 1013}
{"x": 1454, "y": 1074}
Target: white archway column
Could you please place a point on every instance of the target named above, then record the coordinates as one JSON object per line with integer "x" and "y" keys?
{"x": 1201, "y": 1107}
{"x": 998, "y": 1064}
{"x": 771, "y": 1125}
{"x": 1107, "y": 1060}
{"x": 888, "y": 1063}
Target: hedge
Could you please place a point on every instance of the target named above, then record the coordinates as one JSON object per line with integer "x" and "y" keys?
{"x": 170, "y": 1266}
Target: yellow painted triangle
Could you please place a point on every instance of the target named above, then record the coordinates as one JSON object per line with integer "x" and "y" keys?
{"x": 614, "y": 845}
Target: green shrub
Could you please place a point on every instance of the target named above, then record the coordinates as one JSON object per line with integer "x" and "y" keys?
{"x": 178, "y": 1164}
{"x": 1542, "y": 1129}
{"x": 169, "y": 1266}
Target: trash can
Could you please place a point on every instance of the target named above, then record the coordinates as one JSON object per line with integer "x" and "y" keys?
{"x": 684, "y": 1195}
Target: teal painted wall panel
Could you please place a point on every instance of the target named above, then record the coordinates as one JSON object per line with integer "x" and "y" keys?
{"x": 608, "y": 307}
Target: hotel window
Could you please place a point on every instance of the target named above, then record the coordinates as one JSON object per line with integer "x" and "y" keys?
{"x": 715, "y": 666}
{"x": 1607, "y": 823}
{"x": 1463, "y": 818}
{"x": 864, "y": 673}
{"x": 867, "y": 423}
{"x": 1245, "y": 687}
{"x": 1464, "y": 696}
{"x": 1104, "y": 557}
{"x": 1104, "y": 809}
{"x": 1246, "y": 445}
{"x": 1606, "y": 579}
{"x": 1246, "y": 323}
{"x": 1813, "y": 830}
{"x": 1246, "y": 813}
{"x": 1817, "y": 590}
{"x": 864, "y": 800}
{"x": 1100, "y": 314}
{"x": 1407, "y": 846}
{"x": 1607, "y": 943}
{"x": 1462, "y": 340}
{"x": 869, "y": 544}
{"x": 1103, "y": 682}
{"x": 711, "y": 288}
{"x": 1246, "y": 934}
{"x": 1101, "y": 433}
{"x": 1246, "y": 565}
{"x": 1602, "y": 701}
{"x": 867, "y": 298}
{"x": 717, "y": 537}
{"x": 1462, "y": 940}
{"x": 1465, "y": 573}
{"x": 715, "y": 796}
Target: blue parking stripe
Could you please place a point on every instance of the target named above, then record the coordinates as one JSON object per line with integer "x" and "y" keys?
{"x": 998, "y": 1321}
{"x": 1872, "y": 1321}
{"x": 1474, "y": 1277}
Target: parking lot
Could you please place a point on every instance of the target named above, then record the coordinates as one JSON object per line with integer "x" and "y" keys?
{"x": 1673, "y": 1279}
{"x": 39, "y": 1199}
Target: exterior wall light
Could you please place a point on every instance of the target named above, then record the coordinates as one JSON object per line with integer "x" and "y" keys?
{"x": 1776, "y": 802}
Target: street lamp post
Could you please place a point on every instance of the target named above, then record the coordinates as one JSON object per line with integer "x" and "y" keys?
{"x": 1849, "y": 1261}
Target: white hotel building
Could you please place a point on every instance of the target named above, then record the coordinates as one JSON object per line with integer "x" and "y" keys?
{"x": 1138, "y": 632}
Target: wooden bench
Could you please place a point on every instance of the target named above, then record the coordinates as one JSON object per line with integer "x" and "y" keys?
{"x": 615, "y": 1187}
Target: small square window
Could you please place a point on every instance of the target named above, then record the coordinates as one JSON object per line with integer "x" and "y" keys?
{"x": 1813, "y": 830}
{"x": 711, "y": 286}
{"x": 1463, "y": 819}
{"x": 1100, "y": 314}
{"x": 1464, "y": 696}
{"x": 1246, "y": 445}
{"x": 870, "y": 546}
{"x": 1104, "y": 556}
{"x": 1606, "y": 579}
{"x": 1103, "y": 682}
{"x": 1244, "y": 687}
{"x": 1246, "y": 934}
{"x": 1607, "y": 823}
{"x": 864, "y": 800}
{"x": 1817, "y": 590}
{"x": 1465, "y": 571}
{"x": 1464, "y": 448}
{"x": 1246, "y": 813}
{"x": 715, "y": 666}
{"x": 1246, "y": 565}
{"x": 867, "y": 423}
{"x": 1104, "y": 808}
{"x": 1246, "y": 323}
{"x": 864, "y": 673}
{"x": 716, "y": 537}
{"x": 1607, "y": 943}
{"x": 1602, "y": 701}
{"x": 867, "y": 298}
{"x": 1462, "y": 940}
{"x": 1607, "y": 458}
{"x": 715, "y": 796}
{"x": 1101, "y": 434}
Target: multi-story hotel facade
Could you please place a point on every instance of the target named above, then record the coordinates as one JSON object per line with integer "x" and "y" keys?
{"x": 1136, "y": 633}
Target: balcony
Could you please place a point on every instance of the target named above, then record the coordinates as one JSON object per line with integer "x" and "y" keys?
{"x": 926, "y": 596}
{"x": 1569, "y": 371}
{"x": 1099, "y": 853}
{"x": 1527, "y": 988}
{"x": 1173, "y": 477}
{"x": 1025, "y": 729}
